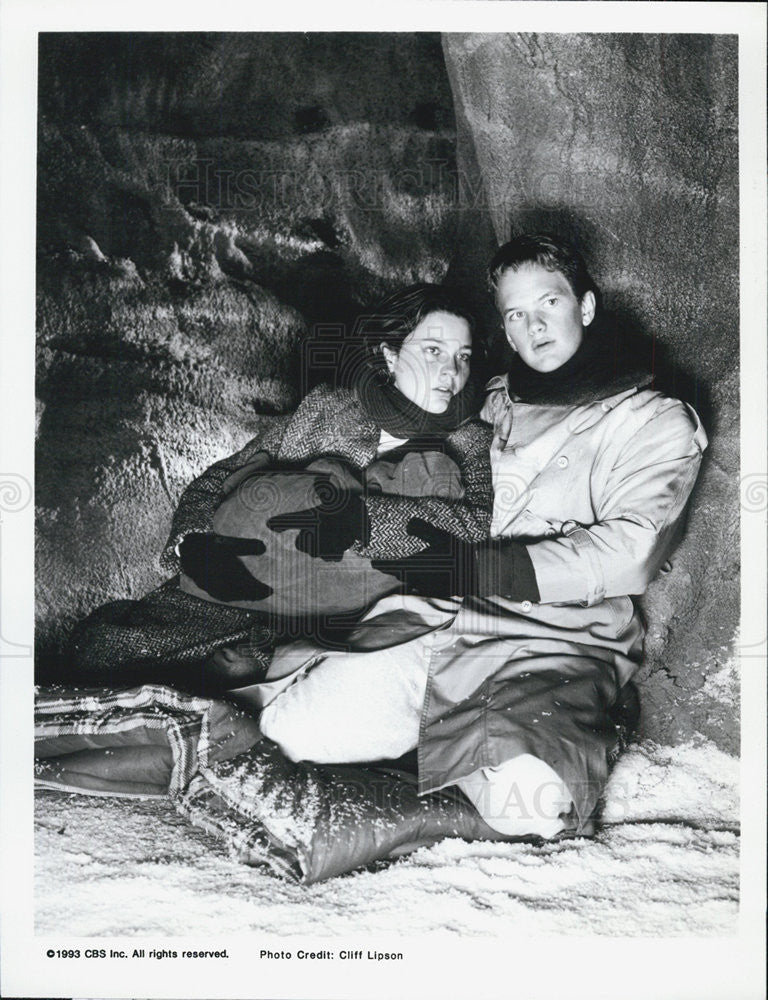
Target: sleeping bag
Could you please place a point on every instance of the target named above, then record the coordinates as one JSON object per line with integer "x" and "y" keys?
{"x": 301, "y": 821}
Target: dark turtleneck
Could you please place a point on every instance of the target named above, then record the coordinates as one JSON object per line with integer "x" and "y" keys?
{"x": 398, "y": 416}
{"x": 603, "y": 365}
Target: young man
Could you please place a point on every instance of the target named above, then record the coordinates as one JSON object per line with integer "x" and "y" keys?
{"x": 592, "y": 469}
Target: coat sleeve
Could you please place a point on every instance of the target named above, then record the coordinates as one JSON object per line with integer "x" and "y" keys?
{"x": 638, "y": 510}
{"x": 202, "y": 497}
{"x": 468, "y": 518}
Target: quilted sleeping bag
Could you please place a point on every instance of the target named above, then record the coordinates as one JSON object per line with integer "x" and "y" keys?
{"x": 302, "y": 821}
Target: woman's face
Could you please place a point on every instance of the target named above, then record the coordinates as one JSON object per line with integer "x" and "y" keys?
{"x": 432, "y": 364}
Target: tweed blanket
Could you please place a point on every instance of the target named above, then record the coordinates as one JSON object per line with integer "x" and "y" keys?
{"x": 167, "y": 636}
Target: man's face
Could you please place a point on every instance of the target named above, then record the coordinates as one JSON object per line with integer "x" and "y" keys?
{"x": 543, "y": 320}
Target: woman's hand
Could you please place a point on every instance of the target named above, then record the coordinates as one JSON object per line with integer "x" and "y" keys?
{"x": 328, "y": 529}
{"x": 211, "y": 562}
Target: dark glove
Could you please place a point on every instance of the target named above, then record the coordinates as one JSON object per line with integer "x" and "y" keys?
{"x": 446, "y": 568}
{"x": 327, "y": 530}
{"x": 451, "y": 567}
{"x": 211, "y": 562}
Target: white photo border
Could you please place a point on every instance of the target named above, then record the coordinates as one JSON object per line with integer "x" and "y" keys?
{"x": 648, "y": 969}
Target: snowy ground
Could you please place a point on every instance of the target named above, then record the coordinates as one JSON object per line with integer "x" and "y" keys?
{"x": 665, "y": 863}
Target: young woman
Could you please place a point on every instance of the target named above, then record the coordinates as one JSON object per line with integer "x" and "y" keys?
{"x": 402, "y": 437}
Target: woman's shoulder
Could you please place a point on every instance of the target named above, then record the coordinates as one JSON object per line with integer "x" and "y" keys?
{"x": 326, "y": 403}
{"x": 330, "y": 421}
{"x": 471, "y": 436}
{"x": 324, "y": 396}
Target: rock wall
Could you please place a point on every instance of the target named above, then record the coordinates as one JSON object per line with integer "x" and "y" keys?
{"x": 206, "y": 204}
{"x": 628, "y": 144}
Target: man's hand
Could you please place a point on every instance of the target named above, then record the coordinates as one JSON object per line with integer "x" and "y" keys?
{"x": 328, "y": 529}
{"x": 446, "y": 568}
{"x": 450, "y": 567}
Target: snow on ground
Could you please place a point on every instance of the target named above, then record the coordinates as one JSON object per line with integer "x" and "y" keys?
{"x": 666, "y": 862}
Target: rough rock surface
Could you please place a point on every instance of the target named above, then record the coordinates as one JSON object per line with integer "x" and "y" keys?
{"x": 208, "y": 202}
{"x": 628, "y": 144}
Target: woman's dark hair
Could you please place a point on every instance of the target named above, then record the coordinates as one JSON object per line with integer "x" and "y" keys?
{"x": 395, "y": 317}
{"x": 547, "y": 251}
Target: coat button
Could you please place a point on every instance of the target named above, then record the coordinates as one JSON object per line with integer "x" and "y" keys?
{"x": 526, "y": 606}
{"x": 563, "y": 462}
{"x": 605, "y": 407}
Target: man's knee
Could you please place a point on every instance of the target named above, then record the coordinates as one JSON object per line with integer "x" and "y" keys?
{"x": 332, "y": 733}
{"x": 521, "y": 797}
{"x": 280, "y": 727}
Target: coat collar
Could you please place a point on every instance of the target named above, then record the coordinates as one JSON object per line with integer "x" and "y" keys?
{"x": 580, "y": 416}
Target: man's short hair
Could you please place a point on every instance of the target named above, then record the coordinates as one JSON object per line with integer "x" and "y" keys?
{"x": 547, "y": 251}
